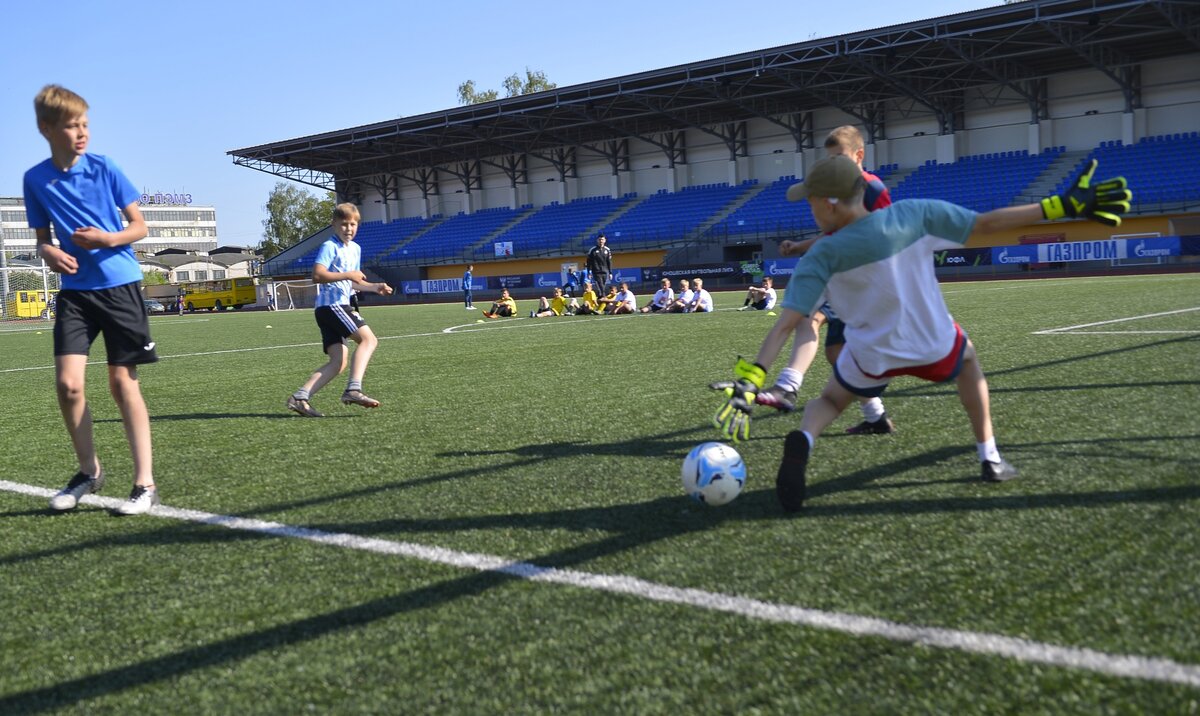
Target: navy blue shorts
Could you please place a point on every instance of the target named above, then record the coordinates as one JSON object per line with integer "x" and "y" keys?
{"x": 337, "y": 323}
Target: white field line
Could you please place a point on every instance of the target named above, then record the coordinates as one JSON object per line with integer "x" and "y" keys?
{"x": 1068, "y": 329}
{"x": 455, "y": 330}
{"x": 1023, "y": 650}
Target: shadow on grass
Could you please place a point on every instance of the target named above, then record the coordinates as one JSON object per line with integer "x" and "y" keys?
{"x": 629, "y": 527}
{"x": 646, "y": 520}
{"x": 223, "y": 416}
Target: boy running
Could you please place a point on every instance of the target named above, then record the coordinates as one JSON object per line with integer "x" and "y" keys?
{"x": 337, "y": 271}
{"x": 84, "y": 195}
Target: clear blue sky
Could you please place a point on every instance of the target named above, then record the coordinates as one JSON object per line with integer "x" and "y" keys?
{"x": 173, "y": 86}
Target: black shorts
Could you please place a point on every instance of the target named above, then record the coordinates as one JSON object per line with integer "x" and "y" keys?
{"x": 337, "y": 323}
{"x": 761, "y": 305}
{"x": 835, "y": 332}
{"x": 504, "y": 310}
{"x": 117, "y": 312}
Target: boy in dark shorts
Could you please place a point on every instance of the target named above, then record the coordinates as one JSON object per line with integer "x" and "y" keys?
{"x": 337, "y": 273}
{"x": 83, "y": 196}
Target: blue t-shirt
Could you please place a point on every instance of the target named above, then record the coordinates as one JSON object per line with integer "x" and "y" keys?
{"x": 91, "y": 193}
{"x": 337, "y": 257}
{"x": 466, "y": 284}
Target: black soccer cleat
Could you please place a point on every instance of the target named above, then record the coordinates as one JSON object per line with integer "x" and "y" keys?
{"x": 998, "y": 471}
{"x": 883, "y": 426}
{"x": 790, "y": 482}
{"x": 778, "y": 398}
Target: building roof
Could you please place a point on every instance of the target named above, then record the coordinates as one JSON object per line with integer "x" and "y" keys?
{"x": 928, "y": 66}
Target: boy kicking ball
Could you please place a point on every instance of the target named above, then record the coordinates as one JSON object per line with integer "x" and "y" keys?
{"x": 337, "y": 272}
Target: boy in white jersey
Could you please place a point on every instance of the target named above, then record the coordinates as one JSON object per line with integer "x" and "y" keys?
{"x": 760, "y": 298}
{"x": 876, "y": 270}
{"x": 702, "y": 301}
{"x": 683, "y": 299}
{"x": 337, "y": 271}
{"x": 662, "y": 298}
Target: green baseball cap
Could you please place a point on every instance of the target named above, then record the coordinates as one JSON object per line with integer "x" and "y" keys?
{"x": 836, "y": 177}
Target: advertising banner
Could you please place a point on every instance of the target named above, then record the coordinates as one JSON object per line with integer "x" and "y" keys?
{"x": 516, "y": 281}
{"x": 410, "y": 288}
{"x": 504, "y": 248}
{"x": 547, "y": 280}
{"x": 1099, "y": 250}
{"x": 702, "y": 270}
{"x": 962, "y": 257}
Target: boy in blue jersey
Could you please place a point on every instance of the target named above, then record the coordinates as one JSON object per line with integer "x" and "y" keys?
{"x": 875, "y": 270}
{"x": 337, "y": 272}
{"x": 84, "y": 196}
{"x": 466, "y": 287}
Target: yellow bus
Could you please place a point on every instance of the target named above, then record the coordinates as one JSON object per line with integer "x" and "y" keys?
{"x": 29, "y": 304}
{"x": 217, "y": 294}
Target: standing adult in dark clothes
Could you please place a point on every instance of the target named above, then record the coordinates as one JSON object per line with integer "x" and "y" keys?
{"x": 599, "y": 264}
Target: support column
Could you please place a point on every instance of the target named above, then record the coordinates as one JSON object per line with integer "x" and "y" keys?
{"x": 946, "y": 153}
{"x": 1127, "y": 129}
{"x": 1035, "y": 138}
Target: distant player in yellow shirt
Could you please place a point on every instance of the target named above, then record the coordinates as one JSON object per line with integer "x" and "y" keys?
{"x": 555, "y": 306}
{"x": 588, "y": 303}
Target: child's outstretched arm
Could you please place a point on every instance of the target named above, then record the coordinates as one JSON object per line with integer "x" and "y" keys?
{"x": 1103, "y": 202}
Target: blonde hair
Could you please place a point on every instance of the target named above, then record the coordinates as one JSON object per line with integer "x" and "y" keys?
{"x": 846, "y": 136}
{"x": 345, "y": 210}
{"x": 55, "y": 103}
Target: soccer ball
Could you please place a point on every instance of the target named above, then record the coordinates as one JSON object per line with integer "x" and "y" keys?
{"x": 713, "y": 473}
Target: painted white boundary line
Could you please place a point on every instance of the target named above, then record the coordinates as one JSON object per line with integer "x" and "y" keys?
{"x": 1050, "y": 331}
{"x": 1024, "y": 650}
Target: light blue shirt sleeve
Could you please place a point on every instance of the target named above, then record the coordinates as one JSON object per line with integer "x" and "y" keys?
{"x": 325, "y": 254}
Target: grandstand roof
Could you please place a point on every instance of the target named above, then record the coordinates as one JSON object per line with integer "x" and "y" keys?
{"x": 920, "y": 67}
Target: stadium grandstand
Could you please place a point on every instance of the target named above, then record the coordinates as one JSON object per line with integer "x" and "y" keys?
{"x": 688, "y": 164}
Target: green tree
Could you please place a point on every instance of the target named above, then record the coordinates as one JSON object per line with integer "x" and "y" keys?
{"x": 514, "y": 85}
{"x": 293, "y": 215}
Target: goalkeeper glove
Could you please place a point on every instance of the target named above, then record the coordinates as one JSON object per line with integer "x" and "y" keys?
{"x": 733, "y": 418}
{"x": 1103, "y": 201}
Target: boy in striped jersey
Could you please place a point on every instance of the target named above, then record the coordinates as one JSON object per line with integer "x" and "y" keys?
{"x": 337, "y": 271}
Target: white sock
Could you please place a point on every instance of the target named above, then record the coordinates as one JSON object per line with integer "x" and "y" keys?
{"x": 811, "y": 440}
{"x": 987, "y": 451}
{"x": 790, "y": 379}
{"x": 872, "y": 410}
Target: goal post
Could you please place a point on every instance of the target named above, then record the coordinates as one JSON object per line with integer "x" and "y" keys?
{"x": 290, "y": 295}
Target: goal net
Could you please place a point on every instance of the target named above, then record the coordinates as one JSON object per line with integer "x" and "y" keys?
{"x": 290, "y": 295}
{"x": 27, "y": 293}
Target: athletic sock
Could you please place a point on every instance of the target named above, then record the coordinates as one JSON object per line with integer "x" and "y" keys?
{"x": 300, "y": 394}
{"x": 790, "y": 379}
{"x": 987, "y": 451}
{"x": 354, "y": 385}
{"x": 811, "y": 439}
{"x": 872, "y": 410}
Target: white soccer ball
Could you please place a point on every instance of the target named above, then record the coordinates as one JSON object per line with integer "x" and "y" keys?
{"x": 713, "y": 473}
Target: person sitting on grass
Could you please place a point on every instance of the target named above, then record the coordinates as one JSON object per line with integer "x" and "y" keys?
{"x": 760, "y": 298}
{"x": 608, "y": 302}
{"x": 662, "y": 299}
{"x": 555, "y": 306}
{"x": 702, "y": 301}
{"x": 503, "y": 307}
{"x": 683, "y": 299}
{"x": 624, "y": 302}
{"x": 588, "y": 304}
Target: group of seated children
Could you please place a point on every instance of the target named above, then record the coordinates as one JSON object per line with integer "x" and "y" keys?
{"x": 692, "y": 298}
